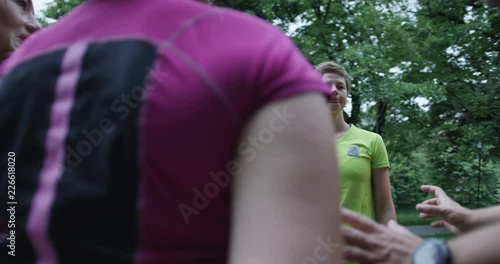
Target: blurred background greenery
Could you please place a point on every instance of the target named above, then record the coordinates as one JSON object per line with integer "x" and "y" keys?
{"x": 426, "y": 76}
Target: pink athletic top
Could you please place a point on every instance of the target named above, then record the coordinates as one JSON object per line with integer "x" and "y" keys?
{"x": 124, "y": 118}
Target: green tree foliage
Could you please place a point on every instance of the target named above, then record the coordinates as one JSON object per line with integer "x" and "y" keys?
{"x": 461, "y": 47}
{"x": 58, "y": 8}
{"x": 411, "y": 172}
{"x": 399, "y": 53}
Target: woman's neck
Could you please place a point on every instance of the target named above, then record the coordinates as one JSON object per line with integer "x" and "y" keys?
{"x": 340, "y": 126}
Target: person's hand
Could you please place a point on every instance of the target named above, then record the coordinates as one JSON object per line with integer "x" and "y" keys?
{"x": 370, "y": 242}
{"x": 453, "y": 216}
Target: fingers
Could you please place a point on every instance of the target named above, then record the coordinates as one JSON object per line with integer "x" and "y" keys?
{"x": 429, "y": 211}
{"x": 359, "y": 221}
{"x": 357, "y": 238}
{"x": 432, "y": 201}
{"x": 442, "y": 223}
{"x": 427, "y": 216}
{"x": 436, "y": 190}
{"x": 392, "y": 225}
{"x": 428, "y": 208}
{"x": 360, "y": 255}
{"x": 437, "y": 224}
{"x": 428, "y": 188}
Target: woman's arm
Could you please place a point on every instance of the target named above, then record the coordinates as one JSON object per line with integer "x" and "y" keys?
{"x": 285, "y": 201}
{"x": 370, "y": 242}
{"x": 453, "y": 215}
{"x": 485, "y": 216}
{"x": 384, "y": 206}
{"x": 478, "y": 246}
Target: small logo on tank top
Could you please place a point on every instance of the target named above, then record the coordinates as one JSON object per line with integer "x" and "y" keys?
{"x": 353, "y": 151}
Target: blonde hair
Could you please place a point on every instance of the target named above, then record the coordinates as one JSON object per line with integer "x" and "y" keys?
{"x": 331, "y": 67}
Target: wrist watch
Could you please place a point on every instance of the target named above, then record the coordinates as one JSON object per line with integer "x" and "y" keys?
{"x": 432, "y": 251}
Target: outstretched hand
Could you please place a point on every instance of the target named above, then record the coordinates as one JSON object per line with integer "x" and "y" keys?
{"x": 370, "y": 242}
{"x": 453, "y": 216}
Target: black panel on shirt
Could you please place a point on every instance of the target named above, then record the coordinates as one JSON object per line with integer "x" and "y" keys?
{"x": 94, "y": 213}
{"x": 26, "y": 97}
{"x": 93, "y": 218}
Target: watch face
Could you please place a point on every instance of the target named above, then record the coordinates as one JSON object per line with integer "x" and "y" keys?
{"x": 427, "y": 254}
{"x": 432, "y": 251}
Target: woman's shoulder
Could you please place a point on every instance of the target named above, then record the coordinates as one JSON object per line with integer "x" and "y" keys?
{"x": 363, "y": 132}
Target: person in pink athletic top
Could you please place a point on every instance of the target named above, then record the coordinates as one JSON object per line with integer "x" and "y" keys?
{"x": 166, "y": 131}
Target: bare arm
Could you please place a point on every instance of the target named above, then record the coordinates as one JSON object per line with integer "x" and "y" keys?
{"x": 370, "y": 242}
{"x": 384, "y": 206}
{"x": 285, "y": 202}
{"x": 485, "y": 216}
{"x": 478, "y": 246}
{"x": 454, "y": 216}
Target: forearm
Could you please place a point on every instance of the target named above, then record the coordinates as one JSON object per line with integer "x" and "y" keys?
{"x": 484, "y": 216}
{"x": 386, "y": 213}
{"x": 479, "y": 246}
{"x": 381, "y": 187}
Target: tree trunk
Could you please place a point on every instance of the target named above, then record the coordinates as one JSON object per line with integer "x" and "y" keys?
{"x": 381, "y": 110}
{"x": 356, "y": 109}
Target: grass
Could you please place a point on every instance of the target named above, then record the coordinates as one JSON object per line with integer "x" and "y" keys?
{"x": 446, "y": 236}
{"x": 409, "y": 216}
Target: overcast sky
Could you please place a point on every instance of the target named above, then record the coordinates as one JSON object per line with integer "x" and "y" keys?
{"x": 40, "y": 5}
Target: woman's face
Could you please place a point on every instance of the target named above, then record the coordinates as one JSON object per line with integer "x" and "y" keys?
{"x": 338, "y": 87}
{"x": 17, "y": 22}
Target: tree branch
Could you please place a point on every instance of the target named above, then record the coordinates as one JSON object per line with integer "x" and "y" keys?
{"x": 327, "y": 10}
